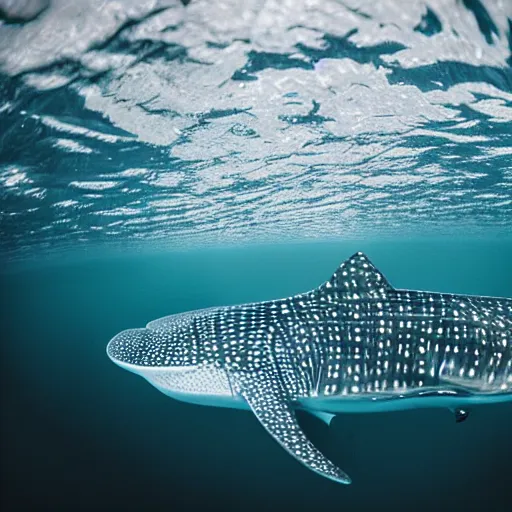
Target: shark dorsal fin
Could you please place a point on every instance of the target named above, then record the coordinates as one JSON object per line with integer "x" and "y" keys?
{"x": 357, "y": 277}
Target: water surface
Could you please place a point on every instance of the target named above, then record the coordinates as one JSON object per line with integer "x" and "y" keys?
{"x": 151, "y": 122}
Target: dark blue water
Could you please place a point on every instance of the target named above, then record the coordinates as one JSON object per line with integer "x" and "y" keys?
{"x": 162, "y": 156}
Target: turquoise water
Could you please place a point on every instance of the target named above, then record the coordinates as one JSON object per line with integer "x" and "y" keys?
{"x": 162, "y": 156}
{"x": 80, "y": 433}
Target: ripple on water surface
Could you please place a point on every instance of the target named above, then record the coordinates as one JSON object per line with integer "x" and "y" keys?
{"x": 223, "y": 122}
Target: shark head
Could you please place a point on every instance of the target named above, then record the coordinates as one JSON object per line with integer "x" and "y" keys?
{"x": 137, "y": 349}
{"x": 169, "y": 353}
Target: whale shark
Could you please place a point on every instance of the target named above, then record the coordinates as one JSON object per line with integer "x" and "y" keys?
{"x": 354, "y": 344}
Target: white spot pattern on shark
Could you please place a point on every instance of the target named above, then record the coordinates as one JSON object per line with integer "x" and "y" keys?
{"x": 353, "y": 344}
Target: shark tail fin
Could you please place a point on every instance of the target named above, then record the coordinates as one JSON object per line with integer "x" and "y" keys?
{"x": 357, "y": 277}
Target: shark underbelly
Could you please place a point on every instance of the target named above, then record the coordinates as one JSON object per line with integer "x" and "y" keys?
{"x": 379, "y": 403}
{"x": 207, "y": 385}
{"x": 370, "y": 403}
{"x": 208, "y": 399}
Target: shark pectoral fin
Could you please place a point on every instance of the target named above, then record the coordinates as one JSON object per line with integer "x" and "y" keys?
{"x": 460, "y": 414}
{"x": 326, "y": 417}
{"x": 274, "y": 411}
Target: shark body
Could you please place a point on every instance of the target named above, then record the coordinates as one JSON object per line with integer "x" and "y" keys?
{"x": 355, "y": 344}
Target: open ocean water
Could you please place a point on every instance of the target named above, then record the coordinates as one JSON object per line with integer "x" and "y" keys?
{"x": 164, "y": 156}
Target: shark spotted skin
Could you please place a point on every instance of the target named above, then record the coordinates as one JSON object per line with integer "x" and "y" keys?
{"x": 353, "y": 344}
